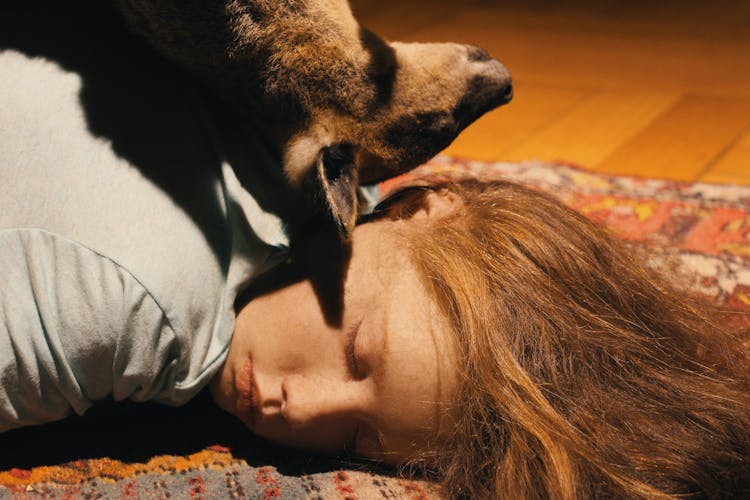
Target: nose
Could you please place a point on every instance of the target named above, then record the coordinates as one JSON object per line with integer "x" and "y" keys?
{"x": 489, "y": 85}
{"x": 306, "y": 401}
{"x": 507, "y": 95}
{"x": 490, "y": 78}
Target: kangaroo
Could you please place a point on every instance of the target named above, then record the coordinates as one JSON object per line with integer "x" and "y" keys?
{"x": 336, "y": 104}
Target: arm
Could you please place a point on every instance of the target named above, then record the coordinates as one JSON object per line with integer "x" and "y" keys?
{"x": 76, "y": 328}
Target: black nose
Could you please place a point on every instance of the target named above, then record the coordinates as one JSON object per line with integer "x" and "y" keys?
{"x": 508, "y": 95}
{"x": 484, "y": 92}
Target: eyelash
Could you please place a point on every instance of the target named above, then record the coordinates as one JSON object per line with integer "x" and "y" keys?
{"x": 351, "y": 355}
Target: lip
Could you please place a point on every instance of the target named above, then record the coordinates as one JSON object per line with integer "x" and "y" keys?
{"x": 247, "y": 393}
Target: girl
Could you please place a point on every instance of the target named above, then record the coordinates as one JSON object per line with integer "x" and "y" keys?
{"x": 506, "y": 343}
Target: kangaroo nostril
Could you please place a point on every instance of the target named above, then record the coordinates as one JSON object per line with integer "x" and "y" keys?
{"x": 477, "y": 54}
{"x": 508, "y": 95}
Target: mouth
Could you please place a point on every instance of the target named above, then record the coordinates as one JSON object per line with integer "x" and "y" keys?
{"x": 247, "y": 393}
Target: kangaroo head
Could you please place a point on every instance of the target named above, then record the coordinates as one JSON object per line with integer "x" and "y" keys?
{"x": 401, "y": 104}
{"x": 337, "y": 105}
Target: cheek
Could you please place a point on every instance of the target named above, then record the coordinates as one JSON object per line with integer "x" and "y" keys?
{"x": 414, "y": 364}
{"x": 413, "y": 402}
{"x": 412, "y": 389}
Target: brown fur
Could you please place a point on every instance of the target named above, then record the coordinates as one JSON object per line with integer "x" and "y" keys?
{"x": 313, "y": 82}
{"x": 584, "y": 374}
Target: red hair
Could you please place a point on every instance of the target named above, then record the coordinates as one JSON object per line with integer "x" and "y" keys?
{"x": 584, "y": 373}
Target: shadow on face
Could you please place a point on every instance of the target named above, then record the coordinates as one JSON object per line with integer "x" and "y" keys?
{"x": 318, "y": 257}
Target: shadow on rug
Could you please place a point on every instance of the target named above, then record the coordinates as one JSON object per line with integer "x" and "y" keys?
{"x": 197, "y": 451}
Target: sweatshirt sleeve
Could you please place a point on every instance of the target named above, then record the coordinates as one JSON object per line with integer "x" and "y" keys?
{"x": 76, "y": 327}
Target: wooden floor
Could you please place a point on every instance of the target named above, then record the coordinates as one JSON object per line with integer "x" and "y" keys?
{"x": 658, "y": 88}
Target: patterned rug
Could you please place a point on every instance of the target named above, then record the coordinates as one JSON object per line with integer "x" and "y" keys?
{"x": 147, "y": 451}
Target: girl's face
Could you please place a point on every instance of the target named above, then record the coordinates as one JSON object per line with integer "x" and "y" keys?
{"x": 378, "y": 385}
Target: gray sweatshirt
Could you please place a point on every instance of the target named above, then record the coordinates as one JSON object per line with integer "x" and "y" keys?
{"x": 119, "y": 261}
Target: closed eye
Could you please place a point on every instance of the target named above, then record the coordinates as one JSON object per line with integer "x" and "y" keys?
{"x": 352, "y": 361}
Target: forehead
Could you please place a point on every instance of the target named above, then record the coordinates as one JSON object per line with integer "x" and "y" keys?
{"x": 418, "y": 379}
{"x": 420, "y": 352}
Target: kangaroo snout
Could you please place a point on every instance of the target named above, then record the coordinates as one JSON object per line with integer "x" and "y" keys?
{"x": 439, "y": 90}
{"x": 489, "y": 86}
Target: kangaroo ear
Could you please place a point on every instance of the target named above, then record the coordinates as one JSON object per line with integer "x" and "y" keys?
{"x": 337, "y": 179}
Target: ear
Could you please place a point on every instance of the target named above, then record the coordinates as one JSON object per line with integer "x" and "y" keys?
{"x": 337, "y": 180}
{"x": 439, "y": 204}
